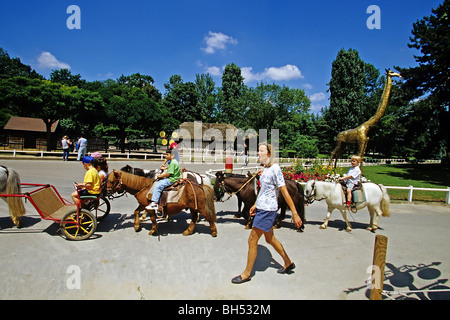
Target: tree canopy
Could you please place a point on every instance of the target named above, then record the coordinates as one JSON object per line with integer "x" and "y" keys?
{"x": 131, "y": 107}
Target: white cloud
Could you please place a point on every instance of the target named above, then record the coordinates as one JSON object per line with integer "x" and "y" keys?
{"x": 288, "y": 72}
{"x": 48, "y": 61}
{"x": 320, "y": 96}
{"x": 249, "y": 76}
{"x": 317, "y": 101}
{"x": 214, "y": 71}
{"x": 308, "y": 86}
{"x": 285, "y": 73}
{"x": 217, "y": 41}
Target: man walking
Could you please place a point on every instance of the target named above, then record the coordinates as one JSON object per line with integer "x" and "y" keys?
{"x": 82, "y": 145}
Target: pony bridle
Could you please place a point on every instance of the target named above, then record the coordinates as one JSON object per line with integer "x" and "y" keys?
{"x": 312, "y": 196}
{"x": 222, "y": 191}
{"x": 116, "y": 186}
{"x": 230, "y": 194}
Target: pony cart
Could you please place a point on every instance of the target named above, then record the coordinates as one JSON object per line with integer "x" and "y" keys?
{"x": 78, "y": 222}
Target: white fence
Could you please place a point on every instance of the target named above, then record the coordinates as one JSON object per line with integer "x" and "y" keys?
{"x": 411, "y": 190}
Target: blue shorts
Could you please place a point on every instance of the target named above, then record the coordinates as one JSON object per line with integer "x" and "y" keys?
{"x": 264, "y": 220}
{"x": 85, "y": 192}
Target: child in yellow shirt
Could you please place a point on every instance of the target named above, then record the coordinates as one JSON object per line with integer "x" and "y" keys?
{"x": 91, "y": 183}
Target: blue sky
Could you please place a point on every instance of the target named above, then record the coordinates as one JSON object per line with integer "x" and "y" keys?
{"x": 290, "y": 43}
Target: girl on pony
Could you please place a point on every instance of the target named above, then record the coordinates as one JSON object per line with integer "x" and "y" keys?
{"x": 353, "y": 178}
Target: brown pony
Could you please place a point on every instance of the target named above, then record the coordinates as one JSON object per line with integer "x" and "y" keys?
{"x": 244, "y": 188}
{"x": 198, "y": 198}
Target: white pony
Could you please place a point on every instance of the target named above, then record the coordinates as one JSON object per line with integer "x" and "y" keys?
{"x": 377, "y": 200}
{"x": 10, "y": 184}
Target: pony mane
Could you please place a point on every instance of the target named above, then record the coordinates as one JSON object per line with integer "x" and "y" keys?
{"x": 133, "y": 181}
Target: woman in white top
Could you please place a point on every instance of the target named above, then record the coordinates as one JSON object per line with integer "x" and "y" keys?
{"x": 265, "y": 212}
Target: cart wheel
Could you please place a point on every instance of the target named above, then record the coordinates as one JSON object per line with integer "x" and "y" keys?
{"x": 100, "y": 208}
{"x": 81, "y": 230}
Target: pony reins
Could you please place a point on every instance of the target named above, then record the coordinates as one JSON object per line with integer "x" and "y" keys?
{"x": 230, "y": 194}
{"x": 312, "y": 197}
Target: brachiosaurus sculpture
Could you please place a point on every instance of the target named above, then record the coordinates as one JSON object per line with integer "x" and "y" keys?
{"x": 358, "y": 135}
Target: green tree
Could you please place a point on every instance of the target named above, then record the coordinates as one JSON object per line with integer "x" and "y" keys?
{"x": 13, "y": 67}
{"x": 181, "y": 101}
{"x": 64, "y": 76}
{"x": 47, "y": 101}
{"x": 355, "y": 89}
{"x": 306, "y": 146}
{"x": 269, "y": 106}
{"x": 430, "y": 80}
{"x": 346, "y": 89}
{"x": 231, "y": 107}
{"x": 129, "y": 112}
{"x": 144, "y": 82}
{"x": 207, "y": 97}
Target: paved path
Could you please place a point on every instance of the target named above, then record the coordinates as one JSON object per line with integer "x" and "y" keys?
{"x": 118, "y": 263}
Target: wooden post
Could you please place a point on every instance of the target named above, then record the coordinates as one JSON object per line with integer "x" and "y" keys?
{"x": 379, "y": 261}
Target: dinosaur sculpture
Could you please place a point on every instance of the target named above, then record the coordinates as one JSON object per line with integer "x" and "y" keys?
{"x": 359, "y": 135}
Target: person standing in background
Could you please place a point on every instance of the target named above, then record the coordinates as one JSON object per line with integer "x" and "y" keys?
{"x": 82, "y": 145}
{"x": 65, "y": 143}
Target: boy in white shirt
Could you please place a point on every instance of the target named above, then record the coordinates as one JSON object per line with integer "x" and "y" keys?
{"x": 353, "y": 177}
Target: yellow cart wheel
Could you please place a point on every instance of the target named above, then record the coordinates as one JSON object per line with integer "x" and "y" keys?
{"x": 81, "y": 228}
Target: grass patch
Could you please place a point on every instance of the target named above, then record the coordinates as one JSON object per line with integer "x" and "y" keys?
{"x": 416, "y": 175}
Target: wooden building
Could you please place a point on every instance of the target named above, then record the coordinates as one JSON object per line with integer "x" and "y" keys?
{"x": 29, "y": 133}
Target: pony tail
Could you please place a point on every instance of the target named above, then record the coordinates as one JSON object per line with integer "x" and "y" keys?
{"x": 209, "y": 202}
{"x": 15, "y": 204}
{"x": 385, "y": 202}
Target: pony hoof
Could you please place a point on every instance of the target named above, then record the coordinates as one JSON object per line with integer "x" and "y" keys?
{"x": 137, "y": 229}
{"x": 214, "y": 234}
{"x": 186, "y": 233}
{"x": 323, "y": 227}
{"x": 152, "y": 232}
{"x": 348, "y": 229}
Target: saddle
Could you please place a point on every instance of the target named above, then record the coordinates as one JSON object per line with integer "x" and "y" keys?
{"x": 173, "y": 193}
{"x": 358, "y": 194}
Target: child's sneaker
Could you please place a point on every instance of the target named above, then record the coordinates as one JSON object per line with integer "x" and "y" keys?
{"x": 152, "y": 206}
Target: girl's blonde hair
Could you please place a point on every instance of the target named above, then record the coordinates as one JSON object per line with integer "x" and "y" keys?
{"x": 357, "y": 158}
{"x": 269, "y": 152}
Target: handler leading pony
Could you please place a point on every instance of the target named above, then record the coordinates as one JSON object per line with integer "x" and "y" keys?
{"x": 10, "y": 184}
{"x": 377, "y": 200}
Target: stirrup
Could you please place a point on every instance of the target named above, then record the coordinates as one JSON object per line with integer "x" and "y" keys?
{"x": 159, "y": 216}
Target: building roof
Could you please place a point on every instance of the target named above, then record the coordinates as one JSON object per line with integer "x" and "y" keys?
{"x": 28, "y": 124}
{"x": 207, "y": 129}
